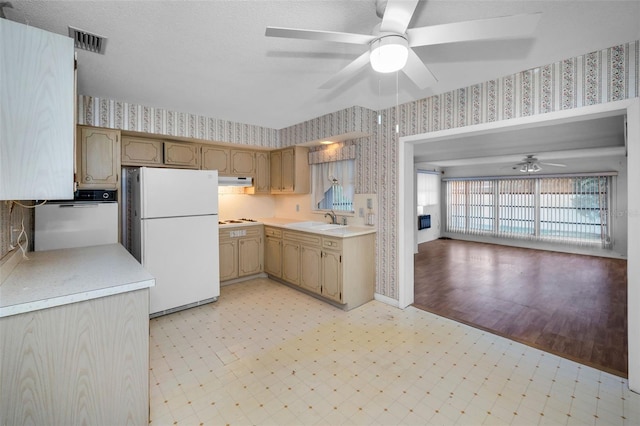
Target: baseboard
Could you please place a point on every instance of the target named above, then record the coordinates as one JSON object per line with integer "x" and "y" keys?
{"x": 9, "y": 262}
{"x": 386, "y": 299}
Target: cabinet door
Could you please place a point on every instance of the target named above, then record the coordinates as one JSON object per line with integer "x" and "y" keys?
{"x": 262, "y": 185}
{"x": 243, "y": 163}
{"x": 276, "y": 171}
{"x": 310, "y": 268}
{"x": 332, "y": 275}
{"x": 228, "y": 259}
{"x": 216, "y": 158}
{"x": 99, "y": 158}
{"x": 141, "y": 151}
{"x": 36, "y": 114}
{"x": 288, "y": 170}
{"x": 273, "y": 256}
{"x": 182, "y": 154}
{"x": 249, "y": 256}
{"x": 291, "y": 262}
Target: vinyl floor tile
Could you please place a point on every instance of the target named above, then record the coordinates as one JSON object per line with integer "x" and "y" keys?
{"x": 265, "y": 354}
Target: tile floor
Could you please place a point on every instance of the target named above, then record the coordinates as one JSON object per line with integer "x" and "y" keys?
{"x": 266, "y": 354}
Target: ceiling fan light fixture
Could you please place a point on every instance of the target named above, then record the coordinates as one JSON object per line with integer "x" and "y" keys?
{"x": 389, "y": 53}
{"x": 530, "y": 168}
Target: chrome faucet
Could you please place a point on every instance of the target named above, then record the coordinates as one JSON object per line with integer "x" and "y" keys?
{"x": 332, "y": 215}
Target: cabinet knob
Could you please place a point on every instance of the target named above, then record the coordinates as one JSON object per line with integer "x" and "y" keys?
{"x": 87, "y": 178}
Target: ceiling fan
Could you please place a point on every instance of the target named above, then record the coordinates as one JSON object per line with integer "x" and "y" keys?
{"x": 391, "y": 42}
{"x": 530, "y": 164}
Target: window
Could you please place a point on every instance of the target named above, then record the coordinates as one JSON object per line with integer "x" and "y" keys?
{"x": 427, "y": 189}
{"x": 572, "y": 210}
{"x": 333, "y": 185}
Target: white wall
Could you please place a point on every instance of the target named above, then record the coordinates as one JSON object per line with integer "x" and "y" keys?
{"x": 235, "y": 206}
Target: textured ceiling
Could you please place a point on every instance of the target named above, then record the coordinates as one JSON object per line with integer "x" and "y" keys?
{"x": 212, "y": 58}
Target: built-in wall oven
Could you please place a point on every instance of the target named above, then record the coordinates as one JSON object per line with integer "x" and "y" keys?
{"x": 91, "y": 218}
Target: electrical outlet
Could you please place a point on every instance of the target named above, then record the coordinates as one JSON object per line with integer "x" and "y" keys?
{"x": 297, "y": 207}
{"x": 361, "y": 212}
{"x": 369, "y": 203}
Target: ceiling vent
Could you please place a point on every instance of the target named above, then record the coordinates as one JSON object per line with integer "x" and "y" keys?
{"x": 86, "y": 41}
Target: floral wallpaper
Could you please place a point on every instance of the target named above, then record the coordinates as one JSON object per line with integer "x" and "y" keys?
{"x": 597, "y": 77}
{"x": 102, "y": 112}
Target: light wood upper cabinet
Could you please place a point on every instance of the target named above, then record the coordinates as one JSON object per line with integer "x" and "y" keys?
{"x": 37, "y": 113}
{"x": 98, "y": 158}
{"x": 290, "y": 171}
{"x": 142, "y": 151}
{"x": 276, "y": 172}
{"x": 243, "y": 162}
{"x": 182, "y": 155}
{"x": 261, "y": 184}
{"x": 216, "y": 158}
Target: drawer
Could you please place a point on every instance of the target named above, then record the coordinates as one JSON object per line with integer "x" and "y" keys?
{"x": 303, "y": 237}
{"x": 240, "y": 232}
{"x": 272, "y": 232}
{"x": 332, "y": 243}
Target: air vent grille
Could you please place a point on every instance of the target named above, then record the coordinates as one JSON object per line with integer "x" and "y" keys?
{"x": 86, "y": 41}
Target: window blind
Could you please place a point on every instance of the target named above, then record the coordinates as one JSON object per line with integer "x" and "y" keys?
{"x": 568, "y": 210}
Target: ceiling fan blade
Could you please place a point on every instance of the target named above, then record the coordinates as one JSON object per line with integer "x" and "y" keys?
{"x": 418, "y": 72}
{"x": 319, "y": 35}
{"x": 482, "y": 29}
{"x": 552, "y": 164}
{"x": 347, "y": 71}
{"x": 397, "y": 15}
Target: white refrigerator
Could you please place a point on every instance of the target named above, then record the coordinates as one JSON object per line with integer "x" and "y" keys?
{"x": 173, "y": 220}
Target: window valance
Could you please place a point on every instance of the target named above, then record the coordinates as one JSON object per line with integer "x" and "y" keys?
{"x": 335, "y": 152}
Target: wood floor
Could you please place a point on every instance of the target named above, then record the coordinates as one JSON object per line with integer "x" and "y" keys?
{"x": 570, "y": 305}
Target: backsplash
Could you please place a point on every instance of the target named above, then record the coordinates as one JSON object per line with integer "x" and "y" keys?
{"x": 13, "y": 218}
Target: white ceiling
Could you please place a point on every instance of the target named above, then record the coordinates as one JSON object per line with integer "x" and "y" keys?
{"x": 596, "y": 137}
{"x": 212, "y": 58}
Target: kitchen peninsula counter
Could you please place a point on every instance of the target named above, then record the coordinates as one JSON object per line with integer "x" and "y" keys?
{"x": 74, "y": 330}
{"x": 59, "y": 277}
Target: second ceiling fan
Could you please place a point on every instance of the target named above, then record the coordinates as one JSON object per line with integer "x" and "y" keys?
{"x": 391, "y": 42}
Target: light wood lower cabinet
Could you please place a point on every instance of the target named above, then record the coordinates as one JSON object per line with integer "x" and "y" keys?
{"x": 273, "y": 251}
{"x": 228, "y": 259}
{"x": 338, "y": 269}
{"x": 291, "y": 261}
{"x": 86, "y": 363}
{"x": 241, "y": 251}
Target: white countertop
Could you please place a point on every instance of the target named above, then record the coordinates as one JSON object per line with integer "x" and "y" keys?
{"x": 339, "y": 231}
{"x": 59, "y": 277}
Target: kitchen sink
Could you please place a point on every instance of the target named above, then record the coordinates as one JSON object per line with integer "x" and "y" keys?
{"x": 306, "y": 225}
{"x": 326, "y": 227}
{"x": 315, "y": 226}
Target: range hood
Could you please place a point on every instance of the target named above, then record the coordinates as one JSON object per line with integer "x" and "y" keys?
{"x": 235, "y": 181}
